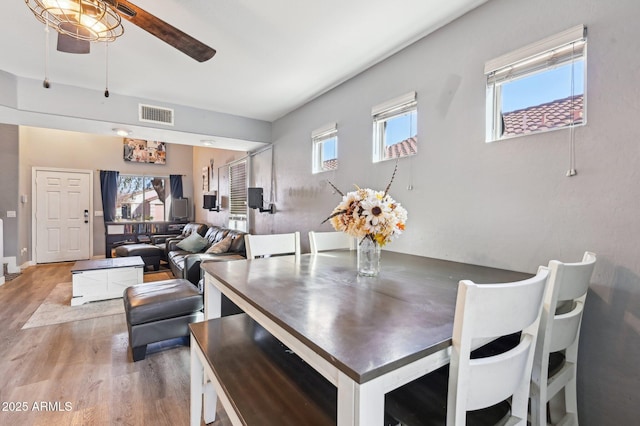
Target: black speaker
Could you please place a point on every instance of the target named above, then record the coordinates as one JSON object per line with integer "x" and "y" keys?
{"x": 209, "y": 202}
{"x": 255, "y": 198}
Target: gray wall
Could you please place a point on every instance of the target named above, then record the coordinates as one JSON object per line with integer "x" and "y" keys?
{"x": 9, "y": 187}
{"x": 507, "y": 204}
{"x": 202, "y": 157}
{"x": 63, "y": 149}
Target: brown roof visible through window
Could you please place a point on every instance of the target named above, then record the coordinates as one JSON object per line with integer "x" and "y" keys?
{"x": 551, "y": 115}
{"x": 402, "y": 149}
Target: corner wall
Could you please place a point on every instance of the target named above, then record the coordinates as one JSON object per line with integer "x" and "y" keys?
{"x": 205, "y": 157}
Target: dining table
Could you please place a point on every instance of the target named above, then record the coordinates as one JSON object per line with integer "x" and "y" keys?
{"x": 365, "y": 335}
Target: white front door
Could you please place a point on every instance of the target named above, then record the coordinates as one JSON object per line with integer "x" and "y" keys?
{"x": 63, "y": 220}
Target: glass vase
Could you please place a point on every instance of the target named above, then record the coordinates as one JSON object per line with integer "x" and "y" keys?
{"x": 368, "y": 258}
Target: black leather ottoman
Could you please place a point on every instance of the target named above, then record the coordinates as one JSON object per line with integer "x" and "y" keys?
{"x": 160, "y": 310}
{"x": 149, "y": 253}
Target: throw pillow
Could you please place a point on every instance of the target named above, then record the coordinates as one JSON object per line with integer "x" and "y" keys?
{"x": 221, "y": 246}
{"x": 193, "y": 243}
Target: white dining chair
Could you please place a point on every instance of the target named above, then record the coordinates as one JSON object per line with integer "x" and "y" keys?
{"x": 272, "y": 244}
{"x": 556, "y": 356}
{"x": 480, "y": 391}
{"x": 322, "y": 241}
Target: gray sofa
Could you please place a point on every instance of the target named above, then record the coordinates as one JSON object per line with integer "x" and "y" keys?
{"x": 189, "y": 228}
{"x": 186, "y": 265}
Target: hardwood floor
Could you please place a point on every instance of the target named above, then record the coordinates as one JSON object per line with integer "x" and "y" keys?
{"x": 81, "y": 373}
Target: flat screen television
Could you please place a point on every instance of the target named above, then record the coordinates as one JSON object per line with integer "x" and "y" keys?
{"x": 180, "y": 209}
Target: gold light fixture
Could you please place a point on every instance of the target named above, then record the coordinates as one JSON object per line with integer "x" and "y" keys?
{"x": 88, "y": 20}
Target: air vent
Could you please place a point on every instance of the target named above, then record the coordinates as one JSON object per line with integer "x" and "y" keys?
{"x": 153, "y": 114}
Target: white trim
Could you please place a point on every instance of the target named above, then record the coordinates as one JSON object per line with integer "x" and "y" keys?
{"x": 34, "y": 205}
{"x": 394, "y": 103}
{"x": 577, "y": 33}
{"x": 12, "y": 265}
{"x": 27, "y": 264}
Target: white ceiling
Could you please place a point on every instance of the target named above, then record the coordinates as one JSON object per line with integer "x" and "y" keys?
{"x": 272, "y": 56}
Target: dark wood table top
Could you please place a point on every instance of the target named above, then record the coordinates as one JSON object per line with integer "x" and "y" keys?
{"x": 366, "y": 327}
{"x": 108, "y": 263}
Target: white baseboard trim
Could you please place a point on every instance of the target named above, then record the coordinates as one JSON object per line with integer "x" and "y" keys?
{"x": 27, "y": 264}
{"x": 12, "y": 268}
{"x": 101, "y": 256}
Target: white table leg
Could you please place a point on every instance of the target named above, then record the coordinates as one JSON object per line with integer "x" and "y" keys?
{"x": 197, "y": 377}
{"x": 347, "y": 397}
{"x": 359, "y": 404}
{"x": 212, "y": 299}
{"x": 201, "y": 387}
{"x": 210, "y": 402}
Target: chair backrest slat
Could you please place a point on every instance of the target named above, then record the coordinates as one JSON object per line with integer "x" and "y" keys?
{"x": 322, "y": 241}
{"x": 272, "y": 244}
{"x": 509, "y": 367}
{"x": 565, "y": 328}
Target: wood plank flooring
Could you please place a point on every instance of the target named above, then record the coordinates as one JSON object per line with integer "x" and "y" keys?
{"x": 81, "y": 373}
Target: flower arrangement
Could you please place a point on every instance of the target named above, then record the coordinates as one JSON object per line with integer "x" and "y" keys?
{"x": 365, "y": 213}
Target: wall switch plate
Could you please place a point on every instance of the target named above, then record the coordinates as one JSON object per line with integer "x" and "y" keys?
{"x": 98, "y": 213}
{"x": 11, "y": 213}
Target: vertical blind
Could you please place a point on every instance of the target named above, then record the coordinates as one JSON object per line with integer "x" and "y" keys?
{"x": 238, "y": 188}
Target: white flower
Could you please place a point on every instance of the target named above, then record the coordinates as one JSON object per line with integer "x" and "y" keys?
{"x": 366, "y": 213}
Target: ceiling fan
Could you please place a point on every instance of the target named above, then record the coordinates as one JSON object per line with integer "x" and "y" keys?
{"x": 79, "y": 22}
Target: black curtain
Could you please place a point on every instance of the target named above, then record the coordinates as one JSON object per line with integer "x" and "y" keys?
{"x": 109, "y": 188}
{"x": 176, "y": 186}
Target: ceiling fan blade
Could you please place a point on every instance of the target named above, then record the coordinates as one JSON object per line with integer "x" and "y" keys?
{"x": 164, "y": 31}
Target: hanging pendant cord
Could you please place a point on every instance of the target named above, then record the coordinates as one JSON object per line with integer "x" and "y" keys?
{"x": 45, "y": 83}
{"x": 572, "y": 137}
{"x": 106, "y": 84}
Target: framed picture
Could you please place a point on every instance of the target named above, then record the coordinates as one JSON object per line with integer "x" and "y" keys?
{"x": 205, "y": 179}
{"x": 142, "y": 151}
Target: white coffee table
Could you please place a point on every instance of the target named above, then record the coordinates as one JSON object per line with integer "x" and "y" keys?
{"x": 103, "y": 279}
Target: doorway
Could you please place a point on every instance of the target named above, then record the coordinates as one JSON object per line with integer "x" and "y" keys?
{"x": 62, "y": 206}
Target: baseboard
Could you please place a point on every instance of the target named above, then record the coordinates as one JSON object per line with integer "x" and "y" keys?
{"x": 12, "y": 268}
{"x": 27, "y": 264}
{"x": 101, "y": 256}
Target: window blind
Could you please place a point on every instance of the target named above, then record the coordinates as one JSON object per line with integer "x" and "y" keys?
{"x": 394, "y": 106}
{"x": 557, "y": 49}
{"x": 324, "y": 132}
{"x": 238, "y": 188}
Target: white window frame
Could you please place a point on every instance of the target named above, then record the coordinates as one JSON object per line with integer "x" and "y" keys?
{"x": 560, "y": 49}
{"x": 319, "y": 137}
{"x": 384, "y": 112}
{"x": 166, "y": 206}
{"x": 238, "y": 183}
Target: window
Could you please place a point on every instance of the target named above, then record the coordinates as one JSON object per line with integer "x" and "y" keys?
{"x": 141, "y": 198}
{"x": 238, "y": 189}
{"x": 395, "y": 129}
{"x": 538, "y": 88}
{"x": 325, "y": 148}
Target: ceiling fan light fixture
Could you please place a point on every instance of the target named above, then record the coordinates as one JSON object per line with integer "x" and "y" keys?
{"x": 89, "y": 20}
